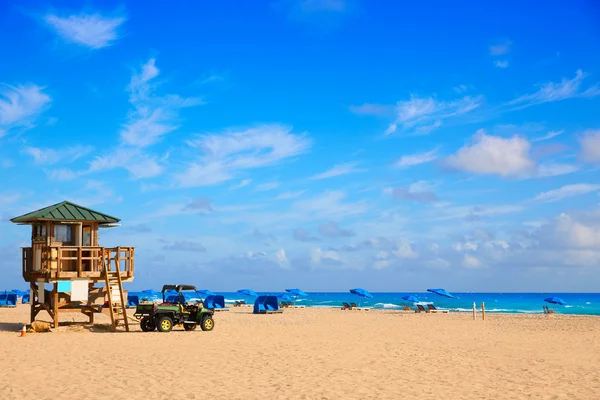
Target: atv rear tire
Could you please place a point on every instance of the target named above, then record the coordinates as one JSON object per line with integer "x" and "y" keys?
{"x": 207, "y": 323}
{"x": 190, "y": 327}
{"x": 147, "y": 324}
{"x": 164, "y": 324}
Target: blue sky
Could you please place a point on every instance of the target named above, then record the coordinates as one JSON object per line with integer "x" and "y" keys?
{"x": 324, "y": 144}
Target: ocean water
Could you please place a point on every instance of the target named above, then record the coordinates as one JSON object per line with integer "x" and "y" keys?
{"x": 525, "y": 303}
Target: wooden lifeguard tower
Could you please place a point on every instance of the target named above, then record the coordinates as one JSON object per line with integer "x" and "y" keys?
{"x": 65, "y": 253}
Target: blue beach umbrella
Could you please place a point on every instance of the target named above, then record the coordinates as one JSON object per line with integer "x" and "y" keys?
{"x": 412, "y": 299}
{"x": 205, "y": 292}
{"x": 296, "y": 293}
{"x": 19, "y": 293}
{"x": 247, "y": 292}
{"x": 361, "y": 293}
{"x": 285, "y": 297}
{"x": 441, "y": 292}
{"x": 554, "y": 301}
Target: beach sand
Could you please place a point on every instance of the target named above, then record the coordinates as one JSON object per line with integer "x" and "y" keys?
{"x": 309, "y": 354}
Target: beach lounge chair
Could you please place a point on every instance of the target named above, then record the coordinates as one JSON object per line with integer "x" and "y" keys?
{"x": 8, "y": 299}
{"x": 432, "y": 309}
{"x": 133, "y": 300}
{"x": 547, "y": 310}
{"x": 406, "y": 307}
{"x": 353, "y": 305}
{"x": 346, "y": 306}
{"x": 283, "y": 304}
{"x": 266, "y": 305}
{"x": 420, "y": 308}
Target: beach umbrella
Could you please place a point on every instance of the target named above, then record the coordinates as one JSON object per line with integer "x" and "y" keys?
{"x": 361, "y": 293}
{"x": 285, "y": 297}
{"x": 441, "y": 292}
{"x": 19, "y": 293}
{"x": 296, "y": 293}
{"x": 412, "y": 299}
{"x": 247, "y": 292}
{"x": 205, "y": 292}
{"x": 554, "y": 301}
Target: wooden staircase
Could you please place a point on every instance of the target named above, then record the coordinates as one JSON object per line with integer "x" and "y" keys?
{"x": 115, "y": 295}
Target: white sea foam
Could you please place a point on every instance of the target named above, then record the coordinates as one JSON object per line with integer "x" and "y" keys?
{"x": 387, "y": 305}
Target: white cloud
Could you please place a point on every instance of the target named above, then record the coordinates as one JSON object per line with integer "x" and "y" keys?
{"x": 267, "y": 186}
{"x": 552, "y": 91}
{"x": 20, "y": 105}
{"x": 416, "y": 159}
{"x": 494, "y": 155}
{"x": 550, "y": 135}
{"x": 590, "y": 146}
{"x": 501, "y": 64}
{"x": 139, "y": 164}
{"x": 52, "y": 156}
{"x": 90, "y": 30}
{"x": 329, "y": 204}
{"x": 425, "y": 114}
{"x": 337, "y": 170}
{"x": 290, "y": 195}
{"x": 152, "y": 116}
{"x": 566, "y": 191}
{"x": 223, "y": 155}
{"x": 471, "y": 262}
{"x": 244, "y": 182}
{"x": 420, "y": 191}
{"x": 568, "y": 232}
{"x": 500, "y": 48}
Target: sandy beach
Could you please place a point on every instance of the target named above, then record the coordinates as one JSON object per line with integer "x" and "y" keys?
{"x": 309, "y": 354}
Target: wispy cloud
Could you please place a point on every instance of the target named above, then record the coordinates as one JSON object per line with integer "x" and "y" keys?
{"x": 380, "y": 110}
{"x": 499, "y": 49}
{"x": 185, "y": 245}
{"x": 423, "y": 115}
{"x": 90, "y": 30}
{"x": 302, "y": 235}
{"x": 52, "y": 156}
{"x": 590, "y": 146}
{"x": 267, "y": 186}
{"x": 416, "y": 159}
{"x": 556, "y": 91}
{"x": 420, "y": 192}
{"x": 290, "y": 195}
{"x": 153, "y": 116}
{"x": 501, "y": 64}
{"x": 244, "y": 182}
{"x": 223, "y": 155}
{"x": 331, "y": 229}
{"x": 20, "y": 105}
{"x": 567, "y": 191}
{"x": 549, "y": 135}
{"x": 337, "y": 170}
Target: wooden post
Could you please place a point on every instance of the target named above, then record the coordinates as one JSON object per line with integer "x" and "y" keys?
{"x": 32, "y": 301}
{"x": 483, "y": 310}
{"x": 474, "y": 311}
{"x": 79, "y": 255}
{"x": 55, "y": 305}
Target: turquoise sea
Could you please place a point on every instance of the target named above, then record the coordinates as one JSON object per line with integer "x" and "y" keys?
{"x": 525, "y": 303}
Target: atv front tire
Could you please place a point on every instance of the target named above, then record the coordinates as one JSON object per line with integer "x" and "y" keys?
{"x": 207, "y": 323}
{"x": 164, "y": 324}
{"x": 147, "y": 324}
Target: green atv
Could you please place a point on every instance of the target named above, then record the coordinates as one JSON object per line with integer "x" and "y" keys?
{"x": 175, "y": 310}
